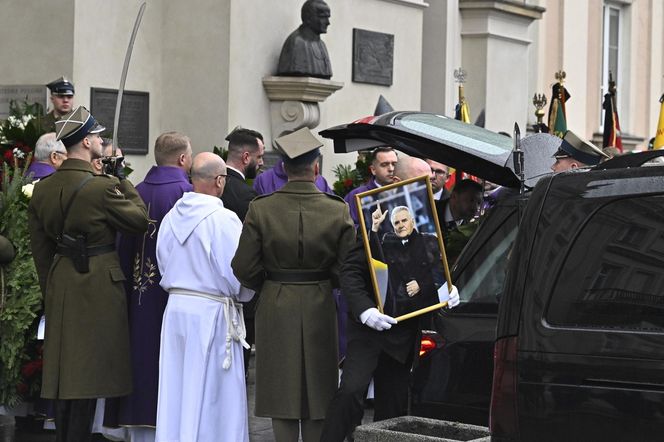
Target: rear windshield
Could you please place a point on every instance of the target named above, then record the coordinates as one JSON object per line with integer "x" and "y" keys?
{"x": 613, "y": 276}
{"x": 466, "y": 137}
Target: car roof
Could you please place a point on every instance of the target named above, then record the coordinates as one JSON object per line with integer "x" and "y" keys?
{"x": 475, "y": 150}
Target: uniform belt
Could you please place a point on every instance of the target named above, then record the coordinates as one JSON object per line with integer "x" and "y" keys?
{"x": 91, "y": 251}
{"x": 298, "y": 276}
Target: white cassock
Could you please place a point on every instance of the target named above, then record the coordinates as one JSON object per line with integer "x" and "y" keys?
{"x": 202, "y": 394}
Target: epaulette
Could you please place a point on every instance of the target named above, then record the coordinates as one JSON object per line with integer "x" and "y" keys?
{"x": 335, "y": 197}
{"x": 40, "y": 180}
{"x": 262, "y": 195}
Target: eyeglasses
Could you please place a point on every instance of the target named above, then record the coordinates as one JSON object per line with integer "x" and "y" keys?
{"x": 439, "y": 172}
{"x": 220, "y": 175}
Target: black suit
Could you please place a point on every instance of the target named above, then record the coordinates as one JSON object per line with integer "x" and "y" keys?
{"x": 236, "y": 197}
{"x": 415, "y": 258}
{"x": 385, "y": 355}
{"x": 237, "y": 194}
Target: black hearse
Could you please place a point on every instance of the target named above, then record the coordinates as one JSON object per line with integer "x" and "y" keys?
{"x": 580, "y": 336}
{"x": 579, "y": 343}
{"x": 452, "y": 379}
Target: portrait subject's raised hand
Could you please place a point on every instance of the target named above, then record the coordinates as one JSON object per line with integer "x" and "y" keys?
{"x": 377, "y": 217}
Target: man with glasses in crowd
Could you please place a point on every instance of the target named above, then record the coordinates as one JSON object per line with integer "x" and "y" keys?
{"x": 48, "y": 157}
{"x": 439, "y": 175}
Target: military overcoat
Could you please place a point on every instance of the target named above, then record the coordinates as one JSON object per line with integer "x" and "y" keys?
{"x": 86, "y": 347}
{"x": 297, "y": 230}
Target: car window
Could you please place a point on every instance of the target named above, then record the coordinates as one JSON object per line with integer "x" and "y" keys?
{"x": 612, "y": 277}
{"x": 447, "y": 130}
{"x": 482, "y": 279}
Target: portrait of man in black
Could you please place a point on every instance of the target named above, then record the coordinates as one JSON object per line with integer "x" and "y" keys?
{"x": 415, "y": 268}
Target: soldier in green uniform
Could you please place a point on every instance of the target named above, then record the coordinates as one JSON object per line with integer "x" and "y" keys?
{"x": 292, "y": 245}
{"x": 74, "y": 216}
{"x": 62, "y": 99}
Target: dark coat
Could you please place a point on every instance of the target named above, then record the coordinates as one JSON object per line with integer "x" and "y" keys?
{"x": 297, "y": 229}
{"x": 48, "y": 122}
{"x": 417, "y": 259}
{"x": 356, "y": 287}
{"x": 86, "y": 347}
{"x": 237, "y": 194}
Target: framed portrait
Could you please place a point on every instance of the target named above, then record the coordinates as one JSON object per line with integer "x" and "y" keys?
{"x": 404, "y": 247}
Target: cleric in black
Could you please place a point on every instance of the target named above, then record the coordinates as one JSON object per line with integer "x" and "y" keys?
{"x": 413, "y": 259}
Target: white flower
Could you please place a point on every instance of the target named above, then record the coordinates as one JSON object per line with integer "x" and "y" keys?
{"x": 18, "y": 153}
{"x": 28, "y": 188}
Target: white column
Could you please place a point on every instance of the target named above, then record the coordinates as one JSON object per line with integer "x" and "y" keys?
{"x": 495, "y": 54}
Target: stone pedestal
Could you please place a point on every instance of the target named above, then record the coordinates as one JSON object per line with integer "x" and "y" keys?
{"x": 419, "y": 429}
{"x": 294, "y": 101}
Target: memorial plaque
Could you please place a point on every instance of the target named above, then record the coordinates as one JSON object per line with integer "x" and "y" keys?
{"x": 133, "y": 135}
{"x": 30, "y": 93}
{"x": 373, "y": 57}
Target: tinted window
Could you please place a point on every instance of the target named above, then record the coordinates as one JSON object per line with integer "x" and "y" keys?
{"x": 613, "y": 276}
{"x": 482, "y": 280}
{"x": 471, "y": 138}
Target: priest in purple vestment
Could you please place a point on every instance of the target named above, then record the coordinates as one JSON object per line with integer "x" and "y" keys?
{"x": 383, "y": 163}
{"x": 48, "y": 156}
{"x": 164, "y": 184}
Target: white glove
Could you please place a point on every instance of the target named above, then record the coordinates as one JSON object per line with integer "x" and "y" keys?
{"x": 376, "y": 320}
{"x": 451, "y": 298}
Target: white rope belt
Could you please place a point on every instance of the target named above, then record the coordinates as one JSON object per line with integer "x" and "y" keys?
{"x": 232, "y": 311}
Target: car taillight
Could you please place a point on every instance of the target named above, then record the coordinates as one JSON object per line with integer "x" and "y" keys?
{"x": 429, "y": 342}
{"x": 426, "y": 346}
{"x": 503, "y": 418}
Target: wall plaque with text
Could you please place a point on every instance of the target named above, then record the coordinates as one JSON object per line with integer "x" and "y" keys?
{"x": 30, "y": 93}
{"x": 373, "y": 57}
{"x": 134, "y": 132}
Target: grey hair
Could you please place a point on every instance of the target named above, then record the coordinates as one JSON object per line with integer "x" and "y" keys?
{"x": 46, "y": 144}
{"x": 398, "y": 209}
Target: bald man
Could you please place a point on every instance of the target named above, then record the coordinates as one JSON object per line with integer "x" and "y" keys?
{"x": 411, "y": 167}
{"x": 202, "y": 393}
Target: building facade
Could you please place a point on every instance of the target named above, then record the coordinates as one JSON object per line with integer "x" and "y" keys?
{"x": 203, "y": 62}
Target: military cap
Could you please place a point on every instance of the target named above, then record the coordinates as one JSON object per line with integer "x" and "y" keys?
{"x": 300, "y": 145}
{"x": 61, "y": 86}
{"x": 76, "y": 125}
{"x": 574, "y": 147}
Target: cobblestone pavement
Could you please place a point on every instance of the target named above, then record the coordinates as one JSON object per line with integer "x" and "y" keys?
{"x": 260, "y": 429}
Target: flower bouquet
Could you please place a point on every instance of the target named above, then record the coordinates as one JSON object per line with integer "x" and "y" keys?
{"x": 20, "y": 295}
{"x": 348, "y": 178}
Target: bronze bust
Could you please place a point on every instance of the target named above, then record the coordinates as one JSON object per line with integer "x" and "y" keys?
{"x": 304, "y": 54}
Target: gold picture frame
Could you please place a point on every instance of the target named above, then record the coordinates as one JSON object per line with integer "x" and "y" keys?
{"x": 404, "y": 247}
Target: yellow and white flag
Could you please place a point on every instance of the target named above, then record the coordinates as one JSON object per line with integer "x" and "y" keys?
{"x": 659, "y": 138}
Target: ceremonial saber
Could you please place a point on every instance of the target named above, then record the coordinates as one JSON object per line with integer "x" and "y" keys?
{"x": 123, "y": 78}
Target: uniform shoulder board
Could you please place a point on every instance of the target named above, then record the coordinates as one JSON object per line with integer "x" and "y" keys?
{"x": 40, "y": 180}
{"x": 335, "y": 197}
{"x": 263, "y": 195}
